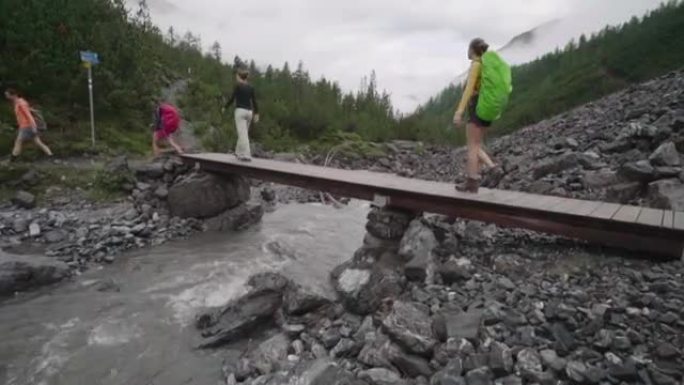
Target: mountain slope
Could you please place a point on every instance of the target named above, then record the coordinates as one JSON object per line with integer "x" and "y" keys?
{"x": 556, "y": 82}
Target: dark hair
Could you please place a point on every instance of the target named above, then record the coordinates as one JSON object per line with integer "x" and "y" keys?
{"x": 12, "y": 91}
{"x": 479, "y": 46}
{"x": 243, "y": 73}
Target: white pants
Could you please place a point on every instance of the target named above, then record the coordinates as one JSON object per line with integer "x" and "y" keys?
{"x": 243, "y": 118}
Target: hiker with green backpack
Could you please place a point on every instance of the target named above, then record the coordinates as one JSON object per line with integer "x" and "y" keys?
{"x": 485, "y": 97}
{"x": 27, "y": 123}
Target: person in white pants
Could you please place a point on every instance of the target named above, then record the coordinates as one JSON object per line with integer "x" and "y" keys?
{"x": 246, "y": 112}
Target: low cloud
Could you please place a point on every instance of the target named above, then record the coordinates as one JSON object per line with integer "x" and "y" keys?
{"x": 416, "y": 48}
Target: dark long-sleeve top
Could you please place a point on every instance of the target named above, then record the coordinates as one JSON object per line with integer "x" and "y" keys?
{"x": 244, "y": 97}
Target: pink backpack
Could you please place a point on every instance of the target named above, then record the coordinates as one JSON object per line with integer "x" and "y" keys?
{"x": 170, "y": 117}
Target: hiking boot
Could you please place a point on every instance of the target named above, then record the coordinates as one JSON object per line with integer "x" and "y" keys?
{"x": 492, "y": 176}
{"x": 471, "y": 186}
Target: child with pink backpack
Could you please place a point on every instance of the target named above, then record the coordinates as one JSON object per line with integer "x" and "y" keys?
{"x": 166, "y": 122}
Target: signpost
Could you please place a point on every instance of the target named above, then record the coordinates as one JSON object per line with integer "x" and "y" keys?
{"x": 90, "y": 59}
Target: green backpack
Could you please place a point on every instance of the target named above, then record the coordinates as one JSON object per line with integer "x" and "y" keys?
{"x": 495, "y": 87}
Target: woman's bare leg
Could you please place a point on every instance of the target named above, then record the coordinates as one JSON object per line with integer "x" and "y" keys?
{"x": 16, "y": 150}
{"x": 474, "y": 137}
{"x": 485, "y": 159}
{"x": 175, "y": 145}
{"x": 42, "y": 146}
{"x": 155, "y": 145}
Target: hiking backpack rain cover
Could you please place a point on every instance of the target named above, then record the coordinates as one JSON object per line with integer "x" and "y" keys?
{"x": 495, "y": 87}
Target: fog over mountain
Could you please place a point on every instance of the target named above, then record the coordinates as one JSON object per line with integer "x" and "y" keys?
{"x": 416, "y": 48}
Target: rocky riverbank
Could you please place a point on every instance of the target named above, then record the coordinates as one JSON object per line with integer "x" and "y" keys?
{"x": 166, "y": 201}
{"x": 427, "y": 300}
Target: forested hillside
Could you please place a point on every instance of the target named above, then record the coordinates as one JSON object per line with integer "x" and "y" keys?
{"x": 585, "y": 70}
{"x": 40, "y": 43}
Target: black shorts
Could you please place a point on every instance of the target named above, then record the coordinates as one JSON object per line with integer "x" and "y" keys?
{"x": 472, "y": 113}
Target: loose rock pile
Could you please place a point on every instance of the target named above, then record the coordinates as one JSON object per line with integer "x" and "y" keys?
{"x": 467, "y": 312}
{"x": 167, "y": 201}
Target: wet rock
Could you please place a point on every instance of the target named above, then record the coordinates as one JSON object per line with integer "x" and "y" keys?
{"x": 500, "y": 359}
{"x": 388, "y": 224}
{"x": 330, "y": 338}
{"x": 55, "y": 236}
{"x": 665, "y": 155}
{"x": 203, "y": 195}
{"x": 150, "y": 170}
{"x": 21, "y": 273}
{"x": 271, "y": 354}
{"x": 552, "y": 361}
{"x": 239, "y": 218}
{"x": 346, "y": 348}
{"x": 410, "y": 365}
{"x": 380, "y": 376}
{"x": 239, "y": 318}
{"x": 301, "y": 299}
{"x": 667, "y": 194}
{"x": 529, "y": 362}
{"x": 161, "y": 192}
{"x": 117, "y": 165}
{"x": 465, "y": 325}
{"x": 509, "y": 380}
{"x": 667, "y": 350}
{"x": 268, "y": 194}
{"x": 455, "y": 270}
{"x": 641, "y": 171}
{"x": 555, "y": 165}
{"x": 450, "y": 375}
{"x": 108, "y": 286}
{"x": 34, "y": 229}
{"x": 600, "y": 179}
{"x": 624, "y": 192}
{"x": 362, "y": 290}
{"x": 417, "y": 242}
{"x": 481, "y": 376}
{"x": 576, "y": 371}
{"x": 410, "y": 327}
{"x": 24, "y": 199}
{"x": 20, "y": 225}
{"x": 377, "y": 351}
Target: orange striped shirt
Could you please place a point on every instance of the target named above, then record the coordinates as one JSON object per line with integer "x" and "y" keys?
{"x": 23, "y": 113}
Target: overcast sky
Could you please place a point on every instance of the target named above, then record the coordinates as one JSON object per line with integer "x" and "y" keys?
{"x": 416, "y": 46}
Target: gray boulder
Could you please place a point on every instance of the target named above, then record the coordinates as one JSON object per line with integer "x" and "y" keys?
{"x": 641, "y": 171}
{"x": 300, "y": 299}
{"x": 555, "y": 165}
{"x": 20, "y": 273}
{"x": 363, "y": 289}
{"x": 665, "y": 155}
{"x": 418, "y": 241}
{"x": 623, "y": 192}
{"x": 410, "y": 327}
{"x": 239, "y": 318}
{"x": 238, "y": 218}
{"x": 381, "y": 376}
{"x": 24, "y": 199}
{"x": 203, "y": 195}
{"x": 667, "y": 194}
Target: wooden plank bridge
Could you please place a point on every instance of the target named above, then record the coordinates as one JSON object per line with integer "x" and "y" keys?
{"x": 659, "y": 233}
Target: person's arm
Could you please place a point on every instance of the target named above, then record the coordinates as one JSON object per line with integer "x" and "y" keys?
{"x": 255, "y": 106}
{"x": 232, "y": 98}
{"x": 25, "y": 111}
{"x": 157, "y": 119}
{"x": 473, "y": 75}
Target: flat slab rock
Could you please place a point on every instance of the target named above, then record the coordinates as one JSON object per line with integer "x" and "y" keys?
{"x": 24, "y": 272}
{"x": 411, "y": 327}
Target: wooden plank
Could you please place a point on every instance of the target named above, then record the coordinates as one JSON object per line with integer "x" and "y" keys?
{"x": 627, "y": 214}
{"x": 678, "y": 220}
{"x": 605, "y": 210}
{"x": 651, "y": 217}
{"x": 605, "y": 223}
{"x": 668, "y": 219}
{"x": 587, "y": 207}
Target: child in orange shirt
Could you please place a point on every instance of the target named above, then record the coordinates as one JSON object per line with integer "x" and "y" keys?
{"x": 28, "y": 130}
